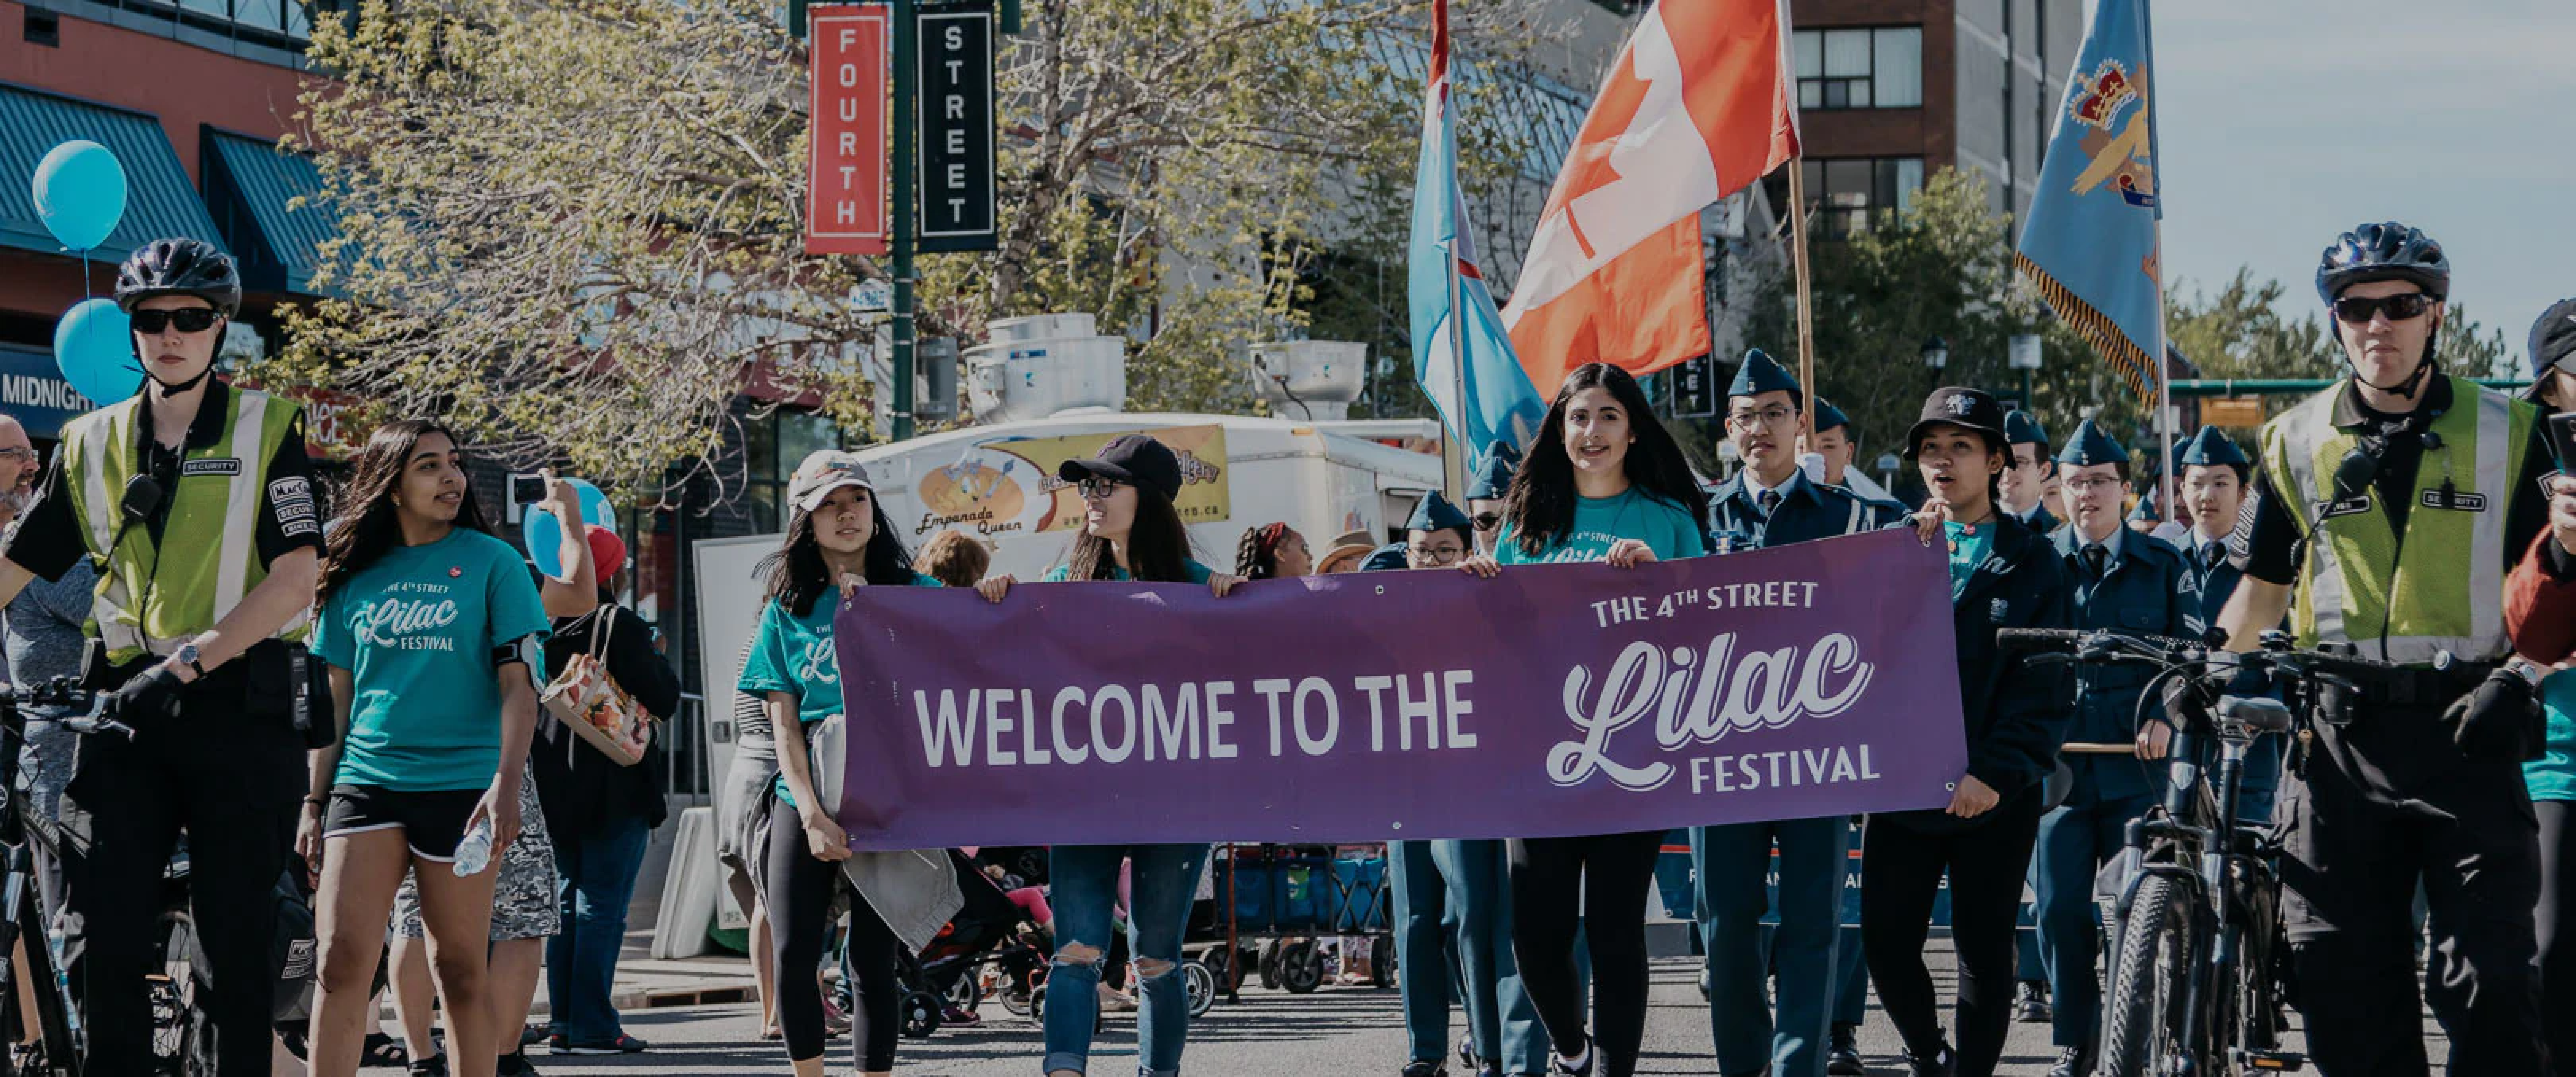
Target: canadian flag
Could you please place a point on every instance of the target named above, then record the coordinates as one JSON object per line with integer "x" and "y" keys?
{"x": 1698, "y": 106}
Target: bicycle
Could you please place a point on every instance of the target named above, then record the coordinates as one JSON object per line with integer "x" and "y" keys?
{"x": 56, "y": 1020}
{"x": 2193, "y": 903}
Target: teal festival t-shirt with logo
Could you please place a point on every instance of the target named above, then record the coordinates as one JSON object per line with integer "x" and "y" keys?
{"x": 1197, "y": 573}
{"x": 2553, "y": 775}
{"x": 796, "y": 655}
{"x": 417, "y": 630}
{"x": 1666, "y": 528}
{"x": 1968, "y": 549}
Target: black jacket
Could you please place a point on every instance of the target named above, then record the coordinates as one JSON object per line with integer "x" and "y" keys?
{"x": 580, "y": 789}
{"x": 2015, "y": 713}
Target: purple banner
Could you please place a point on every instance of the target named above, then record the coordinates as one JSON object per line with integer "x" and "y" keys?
{"x": 1810, "y": 680}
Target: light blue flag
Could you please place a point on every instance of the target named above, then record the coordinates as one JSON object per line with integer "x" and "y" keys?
{"x": 1487, "y": 397}
{"x": 2091, "y": 243}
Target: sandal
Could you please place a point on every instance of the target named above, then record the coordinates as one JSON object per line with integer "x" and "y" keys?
{"x": 383, "y": 1052}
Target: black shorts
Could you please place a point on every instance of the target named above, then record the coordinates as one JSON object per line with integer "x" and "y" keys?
{"x": 432, "y": 820}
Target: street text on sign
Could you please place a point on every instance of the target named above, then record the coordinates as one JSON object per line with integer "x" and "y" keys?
{"x": 956, "y": 102}
{"x": 846, "y": 155}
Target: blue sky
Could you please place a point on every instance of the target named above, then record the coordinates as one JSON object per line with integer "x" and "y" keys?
{"x": 2284, "y": 122}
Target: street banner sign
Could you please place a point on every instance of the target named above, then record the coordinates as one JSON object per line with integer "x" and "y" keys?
{"x": 956, "y": 103}
{"x": 845, "y": 174}
{"x": 1695, "y": 388}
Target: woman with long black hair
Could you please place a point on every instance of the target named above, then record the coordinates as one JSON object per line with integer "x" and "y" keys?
{"x": 421, "y": 613}
{"x": 1603, "y": 481}
{"x": 1130, "y": 531}
{"x": 2002, "y": 575}
{"x": 838, "y": 541}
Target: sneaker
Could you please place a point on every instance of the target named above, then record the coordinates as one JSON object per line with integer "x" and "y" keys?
{"x": 622, "y": 1045}
{"x": 1943, "y": 1063}
{"x": 1467, "y": 1054}
{"x": 1426, "y": 1069}
{"x": 433, "y": 1066}
{"x": 533, "y": 1035}
{"x": 2072, "y": 1062}
{"x": 1842, "y": 1053}
{"x": 954, "y": 1017}
{"x": 1576, "y": 1067}
{"x": 514, "y": 1064}
{"x": 2030, "y": 1004}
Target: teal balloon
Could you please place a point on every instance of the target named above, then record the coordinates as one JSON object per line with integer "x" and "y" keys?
{"x": 80, "y": 194}
{"x": 94, "y": 344}
{"x": 544, "y": 533}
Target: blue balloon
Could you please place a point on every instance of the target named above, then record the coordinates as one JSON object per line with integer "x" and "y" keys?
{"x": 544, "y": 533}
{"x": 80, "y": 194}
{"x": 94, "y": 344}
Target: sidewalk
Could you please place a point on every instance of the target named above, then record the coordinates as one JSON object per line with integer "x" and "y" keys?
{"x": 644, "y": 983}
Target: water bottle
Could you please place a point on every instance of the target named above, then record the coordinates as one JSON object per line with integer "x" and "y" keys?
{"x": 475, "y": 852}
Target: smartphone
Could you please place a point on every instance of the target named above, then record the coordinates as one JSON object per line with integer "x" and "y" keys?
{"x": 527, "y": 489}
{"x": 2562, "y": 441}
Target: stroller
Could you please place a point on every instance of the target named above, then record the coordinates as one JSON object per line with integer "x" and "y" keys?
{"x": 992, "y": 946}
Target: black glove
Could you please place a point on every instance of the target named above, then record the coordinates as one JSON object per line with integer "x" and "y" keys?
{"x": 2188, "y": 699}
{"x": 153, "y": 694}
{"x": 2499, "y": 720}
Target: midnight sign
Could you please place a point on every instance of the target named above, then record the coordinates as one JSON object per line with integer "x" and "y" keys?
{"x": 956, "y": 129}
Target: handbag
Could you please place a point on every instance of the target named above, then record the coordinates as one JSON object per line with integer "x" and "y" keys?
{"x": 588, "y": 699}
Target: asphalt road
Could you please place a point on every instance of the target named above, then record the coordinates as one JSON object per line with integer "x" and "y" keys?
{"x": 1340, "y": 1032}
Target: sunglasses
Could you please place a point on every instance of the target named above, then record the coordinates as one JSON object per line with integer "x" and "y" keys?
{"x": 1097, "y": 489}
{"x": 190, "y": 320}
{"x": 1487, "y": 521}
{"x": 2355, "y": 310}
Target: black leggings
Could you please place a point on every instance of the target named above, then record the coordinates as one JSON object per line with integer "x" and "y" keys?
{"x": 2556, "y": 919}
{"x": 1900, "y": 874}
{"x": 1597, "y": 884}
{"x": 800, "y": 892}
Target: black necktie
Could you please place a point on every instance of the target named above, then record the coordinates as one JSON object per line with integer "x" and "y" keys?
{"x": 1769, "y": 500}
{"x": 2211, "y": 554}
{"x": 2095, "y": 557}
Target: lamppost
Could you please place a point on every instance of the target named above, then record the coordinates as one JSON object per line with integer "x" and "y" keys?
{"x": 1936, "y": 355}
{"x": 2024, "y": 357}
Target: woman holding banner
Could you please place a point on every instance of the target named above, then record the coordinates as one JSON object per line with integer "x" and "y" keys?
{"x": 1130, "y": 531}
{"x": 1605, "y": 482}
{"x": 2002, "y": 575}
{"x": 839, "y": 539}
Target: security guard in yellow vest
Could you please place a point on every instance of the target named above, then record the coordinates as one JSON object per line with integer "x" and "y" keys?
{"x": 195, "y": 500}
{"x": 2394, "y": 505}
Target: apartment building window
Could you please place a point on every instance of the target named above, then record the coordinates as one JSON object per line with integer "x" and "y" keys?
{"x": 1879, "y": 67}
{"x": 1854, "y": 194}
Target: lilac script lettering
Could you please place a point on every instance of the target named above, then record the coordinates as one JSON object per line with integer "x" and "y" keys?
{"x": 1758, "y": 692}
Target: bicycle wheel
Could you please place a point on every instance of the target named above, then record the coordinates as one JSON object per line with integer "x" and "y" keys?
{"x": 2142, "y": 1023}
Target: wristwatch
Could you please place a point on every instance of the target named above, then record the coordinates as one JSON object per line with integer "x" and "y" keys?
{"x": 2529, "y": 672}
{"x": 189, "y": 654}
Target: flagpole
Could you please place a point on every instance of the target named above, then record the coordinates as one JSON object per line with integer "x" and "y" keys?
{"x": 1453, "y": 461}
{"x": 1806, "y": 314}
{"x": 2164, "y": 364}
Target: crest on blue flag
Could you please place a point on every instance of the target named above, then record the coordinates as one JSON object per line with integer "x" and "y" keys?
{"x": 2091, "y": 244}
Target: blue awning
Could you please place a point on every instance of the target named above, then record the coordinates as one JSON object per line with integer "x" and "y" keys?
{"x": 250, "y": 185}
{"x": 160, "y": 202}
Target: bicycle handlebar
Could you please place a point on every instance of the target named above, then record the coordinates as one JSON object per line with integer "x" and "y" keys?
{"x": 2116, "y": 645}
{"x": 66, "y": 692}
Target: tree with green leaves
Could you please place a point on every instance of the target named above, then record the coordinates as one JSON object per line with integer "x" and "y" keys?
{"x": 573, "y": 228}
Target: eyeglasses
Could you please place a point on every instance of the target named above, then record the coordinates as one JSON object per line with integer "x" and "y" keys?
{"x": 2086, "y": 486}
{"x": 1487, "y": 521}
{"x": 18, "y": 455}
{"x": 1097, "y": 489}
{"x": 188, "y": 320}
{"x": 1437, "y": 555}
{"x": 1770, "y": 416}
{"x": 2357, "y": 310}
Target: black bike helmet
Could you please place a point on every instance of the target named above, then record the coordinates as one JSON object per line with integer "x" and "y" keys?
{"x": 2385, "y": 251}
{"x": 179, "y": 267}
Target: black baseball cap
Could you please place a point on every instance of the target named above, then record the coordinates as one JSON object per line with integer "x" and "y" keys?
{"x": 1135, "y": 459}
{"x": 1960, "y": 406}
{"x": 2553, "y": 344}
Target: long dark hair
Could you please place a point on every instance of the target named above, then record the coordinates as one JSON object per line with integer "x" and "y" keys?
{"x": 366, "y": 526}
{"x": 1158, "y": 546}
{"x": 794, "y": 575}
{"x": 1540, "y": 505}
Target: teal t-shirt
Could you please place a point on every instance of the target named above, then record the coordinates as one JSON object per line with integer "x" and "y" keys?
{"x": 1197, "y": 573}
{"x": 2553, "y": 775}
{"x": 417, "y": 631}
{"x": 795, "y": 655}
{"x": 1666, "y": 528}
{"x": 1968, "y": 549}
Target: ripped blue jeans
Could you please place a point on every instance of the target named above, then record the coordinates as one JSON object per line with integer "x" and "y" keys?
{"x": 1084, "y": 892}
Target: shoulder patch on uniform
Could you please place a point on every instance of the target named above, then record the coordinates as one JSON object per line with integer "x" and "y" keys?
{"x": 1997, "y": 610}
{"x": 292, "y": 499}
